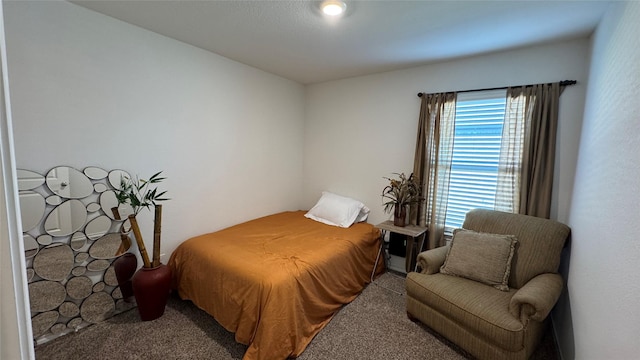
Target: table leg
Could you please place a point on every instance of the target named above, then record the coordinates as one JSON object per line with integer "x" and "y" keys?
{"x": 380, "y": 251}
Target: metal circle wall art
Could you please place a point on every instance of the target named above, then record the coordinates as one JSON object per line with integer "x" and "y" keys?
{"x": 71, "y": 238}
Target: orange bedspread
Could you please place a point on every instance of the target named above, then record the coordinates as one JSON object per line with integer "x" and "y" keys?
{"x": 275, "y": 281}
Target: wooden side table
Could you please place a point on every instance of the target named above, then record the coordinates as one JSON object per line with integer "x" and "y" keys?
{"x": 415, "y": 241}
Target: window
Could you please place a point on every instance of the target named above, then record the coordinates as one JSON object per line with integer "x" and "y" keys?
{"x": 476, "y": 152}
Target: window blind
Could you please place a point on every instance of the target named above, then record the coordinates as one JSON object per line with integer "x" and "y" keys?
{"x": 476, "y": 152}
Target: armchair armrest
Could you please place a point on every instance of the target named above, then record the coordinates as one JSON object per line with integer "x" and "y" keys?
{"x": 536, "y": 298}
{"x": 430, "y": 261}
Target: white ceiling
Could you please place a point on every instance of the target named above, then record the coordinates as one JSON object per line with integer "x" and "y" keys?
{"x": 292, "y": 39}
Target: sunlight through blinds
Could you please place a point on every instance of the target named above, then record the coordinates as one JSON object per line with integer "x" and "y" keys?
{"x": 476, "y": 152}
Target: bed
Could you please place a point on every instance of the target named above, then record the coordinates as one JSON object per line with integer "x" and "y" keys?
{"x": 276, "y": 281}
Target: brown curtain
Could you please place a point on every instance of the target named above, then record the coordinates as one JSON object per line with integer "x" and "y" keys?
{"x": 528, "y": 150}
{"x": 432, "y": 163}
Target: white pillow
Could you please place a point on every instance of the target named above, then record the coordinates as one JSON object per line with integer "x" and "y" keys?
{"x": 364, "y": 214}
{"x": 337, "y": 210}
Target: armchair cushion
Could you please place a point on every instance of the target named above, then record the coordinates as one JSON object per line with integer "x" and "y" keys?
{"x": 481, "y": 256}
{"x": 482, "y": 309}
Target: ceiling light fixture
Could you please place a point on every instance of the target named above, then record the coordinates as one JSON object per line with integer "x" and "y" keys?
{"x": 333, "y": 7}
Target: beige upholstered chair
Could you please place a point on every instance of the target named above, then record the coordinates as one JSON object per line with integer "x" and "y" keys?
{"x": 486, "y": 322}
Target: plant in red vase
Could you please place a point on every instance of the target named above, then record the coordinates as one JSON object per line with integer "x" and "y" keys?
{"x": 152, "y": 282}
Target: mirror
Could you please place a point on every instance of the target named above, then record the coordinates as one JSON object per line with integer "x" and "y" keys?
{"x": 30, "y": 275}
{"x": 99, "y": 287}
{"x": 115, "y": 176}
{"x": 69, "y": 309}
{"x": 45, "y": 240}
{"x": 108, "y": 201}
{"x": 68, "y": 183}
{"x": 78, "y": 240}
{"x": 54, "y": 200}
{"x": 74, "y": 324}
{"x": 97, "y": 307}
{"x": 46, "y": 295}
{"x": 28, "y": 180}
{"x": 93, "y": 207}
{"x": 79, "y": 287}
{"x": 54, "y": 262}
{"x": 116, "y": 293}
{"x": 95, "y": 173}
{"x": 32, "y": 207}
{"x": 63, "y": 212}
{"x": 41, "y": 323}
{"x": 98, "y": 265}
{"x": 66, "y": 218}
{"x": 110, "y": 277}
{"x": 106, "y": 247}
{"x": 97, "y": 227}
{"x": 81, "y": 257}
{"x": 58, "y": 329}
{"x": 78, "y": 271}
{"x": 99, "y": 188}
{"x": 31, "y": 246}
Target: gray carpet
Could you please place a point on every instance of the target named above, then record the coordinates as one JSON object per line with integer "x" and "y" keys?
{"x": 374, "y": 326}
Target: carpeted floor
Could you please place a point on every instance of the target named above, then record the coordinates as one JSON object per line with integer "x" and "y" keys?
{"x": 374, "y": 326}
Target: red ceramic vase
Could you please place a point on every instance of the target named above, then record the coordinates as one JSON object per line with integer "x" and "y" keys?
{"x": 125, "y": 266}
{"x": 151, "y": 288}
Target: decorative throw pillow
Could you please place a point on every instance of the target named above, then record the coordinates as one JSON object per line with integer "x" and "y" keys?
{"x": 337, "y": 210}
{"x": 482, "y": 257}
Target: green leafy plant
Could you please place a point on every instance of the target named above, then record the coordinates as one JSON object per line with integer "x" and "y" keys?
{"x": 400, "y": 192}
{"x": 139, "y": 192}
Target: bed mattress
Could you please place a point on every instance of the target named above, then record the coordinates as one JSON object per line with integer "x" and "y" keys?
{"x": 275, "y": 281}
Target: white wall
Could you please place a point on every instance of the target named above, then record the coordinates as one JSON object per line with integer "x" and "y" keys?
{"x": 604, "y": 282}
{"x": 89, "y": 90}
{"x": 361, "y": 129}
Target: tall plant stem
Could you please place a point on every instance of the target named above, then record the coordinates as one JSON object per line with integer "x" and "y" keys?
{"x": 156, "y": 235}
{"x": 125, "y": 242}
{"x": 139, "y": 240}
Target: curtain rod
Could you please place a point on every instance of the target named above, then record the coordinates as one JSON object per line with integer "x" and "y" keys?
{"x": 562, "y": 83}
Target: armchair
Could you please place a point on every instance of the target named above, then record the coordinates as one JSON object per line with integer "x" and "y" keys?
{"x": 484, "y": 321}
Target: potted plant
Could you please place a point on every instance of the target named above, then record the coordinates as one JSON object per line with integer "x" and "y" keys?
{"x": 399, "y": 194}
{"x": 151, "y": 283}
